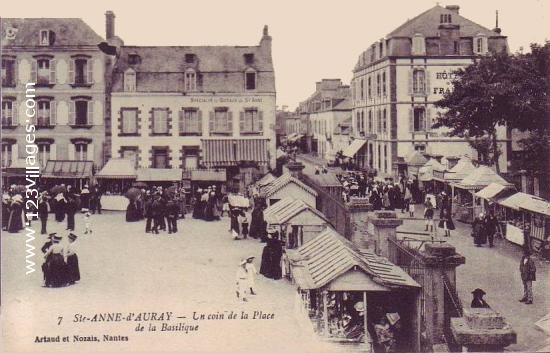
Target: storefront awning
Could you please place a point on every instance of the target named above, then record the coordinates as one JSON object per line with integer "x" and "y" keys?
{"x": 537, "y": 205}
{"x": 229, "y": 152}
{"x": 16, "y": 168}
{"x": 118, "y": 168}
{"x": 354, "y": 147}
{"x": 516, "y": 201}
{"x": 491, "y": 191}
{"x": 328, "y": 256}
{"x": 68, "y": 169}
{"x": 208, "y": 175}
{"x": 157, "y": 174}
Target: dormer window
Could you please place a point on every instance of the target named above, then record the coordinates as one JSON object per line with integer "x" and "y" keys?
{"x": 190, "y": 80}
{"x": 480, "y": 44}
{"x": 129, "y": 80}
{"x": 445, "y": 18}
{"x": 189, "y": 58}
{"x": 250, "y": 80}
{"x": 249, "y": 59}
{"x": 133, "y": 59}
{"x": 46, "y": 37}
{"x": 418, "y": 44}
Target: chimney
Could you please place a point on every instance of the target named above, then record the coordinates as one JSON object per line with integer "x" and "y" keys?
{"x": 497, "y": 28}
{"x": 453, "y": 8}
{"x": 265, "y": 42}
{"x": 109, "y": 25}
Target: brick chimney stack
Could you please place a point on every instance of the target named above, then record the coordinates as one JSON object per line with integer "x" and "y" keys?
{"x": 109, "y": 25}
{"x": 453, "y": 8}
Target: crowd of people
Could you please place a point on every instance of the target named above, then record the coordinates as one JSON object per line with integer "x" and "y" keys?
{"x": 60, "y": 267}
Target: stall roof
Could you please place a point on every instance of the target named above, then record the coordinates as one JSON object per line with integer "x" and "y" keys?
{"x": 326, "y": 179}
{"x": 426, "y": 172}
{"x": 480, "y": 178}
{"x": 238, "y": 201}
{"x": 208, "y": 175}
{"x": 416, "y": 158}
{"x": 517, "y": 200}
{"x": 266, "y": 179}
{"x": 68, "y": 169}
{"x": 354, "y": 147}
{"x": 328, "y": 256}
{"x": 157, "y": 174}
{"x": 286, "y": 209}
{"x": 118, "y": 168}
{"x": 463, "y": 167}
{"x": 491, "y": 191}
{"x": 283, "y": 181}
{"x": 536, "y": 205}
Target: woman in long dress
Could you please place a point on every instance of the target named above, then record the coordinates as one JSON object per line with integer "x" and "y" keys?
{"x": 55, "y": 263}
{"x": 73, "y": 271}
{"x": 197, "y": 205}
{"x": 6, "y": 203}
{"x": 60, "y": 203}
{"x": 15, "y": 222}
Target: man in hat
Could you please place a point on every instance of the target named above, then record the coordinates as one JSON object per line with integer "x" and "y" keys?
{"x": 43, "y": 210}
{"x": 242, "y": 281}
{"x": 478, "y": 301}
{"x": 251, "y": 273}
{"x": 528, "y": 271}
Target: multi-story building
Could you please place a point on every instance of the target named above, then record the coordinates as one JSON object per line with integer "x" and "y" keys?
{"x": 397, "y": 80}
{"x": 194, "y": 107}
{"x": 327, "y": 107}
{"x": 53, "y": 71}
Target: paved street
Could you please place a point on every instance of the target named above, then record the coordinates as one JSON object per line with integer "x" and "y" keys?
{"x": 124, "y": 269}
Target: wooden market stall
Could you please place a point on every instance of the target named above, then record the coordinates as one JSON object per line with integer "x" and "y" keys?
{"x": 288, "y": 186}
{"x": 426, "y": 176}
{"x": 296, "y": 221}
{"x": 116, "y": 177}
{"x": 512, "y": 217}
{"x": 159, "y": 176}
{"x": 459, "y": 171}
{"x": 539, "y": 211}
{"x": 467, "y": 206}
{"x": 414, "y": 161}
{"x": 344, "y": 291}
{"x": 490, "y": 194}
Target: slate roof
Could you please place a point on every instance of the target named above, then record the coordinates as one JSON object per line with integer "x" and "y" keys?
{"x": 286, "y": 209}
{"x": 329, "y": 255}
{"x": 427, "y": 23}
{"x": 68, "y": 32}
{"x": 283, "y": 181}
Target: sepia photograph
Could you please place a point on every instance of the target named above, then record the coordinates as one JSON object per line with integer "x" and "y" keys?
{"x": 275, "y": 176}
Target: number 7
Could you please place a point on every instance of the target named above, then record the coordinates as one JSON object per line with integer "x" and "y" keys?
{"x": 59, "y": 318}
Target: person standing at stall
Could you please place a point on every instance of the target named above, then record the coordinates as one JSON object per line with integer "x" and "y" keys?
{"x": 528, "y": 271}
{"x": 491, "y": 224}
{"x": 478, "y": 230}
{"x": 43, "y": 211}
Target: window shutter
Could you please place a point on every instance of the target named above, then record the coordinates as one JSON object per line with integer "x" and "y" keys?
{"x": 181, "y": 123}
{"x": 89, "y": 117}
{"x": 429, "y": 122}
{"x": 199, "y": 121}
{"x": 14, "y": 116}
{"x": 71, "y": 151}
{"x": 211, "y": 123}
{"x": 14, "y": 153}
{"x": 230, "y": 121}
{"x": 53, "y": 112}
{"x": 427, "y": 77}
{"x": 71, "y": 71}
{"x": 241, "y": 122}
{"x": 90, "y": 152}
{"x": 34, "y": 68}
{"x": 53, "y": 66}
{"x": 90, "y": 73}
{"x": 53, "y": 151}
{"x": 72, "y": 114}
{"x": 260, "y": 121}
{"x": 410, "y": 82}
{"x": 411, "y": 120}
{"x": 22, "y": 115}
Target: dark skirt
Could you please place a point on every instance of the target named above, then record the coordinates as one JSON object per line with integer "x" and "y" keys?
{"x": 73, "y": 271}
{"x": 15, "y": 223}
{"x": 450, "y": 224}
{"x": 198, "y": 209}
{"x": 429, "y": 214}
{"x": 56, "y": 270}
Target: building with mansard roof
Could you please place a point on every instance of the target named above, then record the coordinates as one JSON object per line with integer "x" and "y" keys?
{"x": 397, "y": 80}
{"x": 194, "y": 107}
{"x": 61, "y": 56}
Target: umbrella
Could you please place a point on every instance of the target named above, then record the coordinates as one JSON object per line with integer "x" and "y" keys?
{"x": 57, "y": 189}
{"x": 133, "y": 193}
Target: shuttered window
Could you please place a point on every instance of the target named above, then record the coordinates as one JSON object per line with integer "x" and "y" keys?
{"x": 8, "y": 72}
{"x": 221, "y": 121}
{"x": 190, "y": 121}
{"x": 81, "y": 112}
{"x": 251, "y": 121}
{"x": 129, "y": 121}
{"x": 160, "y": 120}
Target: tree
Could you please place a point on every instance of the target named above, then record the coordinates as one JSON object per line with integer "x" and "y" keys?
{"x": 496, "y": 90}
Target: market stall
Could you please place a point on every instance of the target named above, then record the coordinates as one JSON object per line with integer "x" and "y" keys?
{"x": 467, "y": 205}
{"x": 539, "y": 213}
{"x": 514, "y": 219}
{"x": 414, "y": 161}
{"x": 346, "y": 292}
{"x": 490, "y": 194}
{"x": 159, "y": 177}
{"x": 461, "y": 170}
{"x": 426, "y": 176}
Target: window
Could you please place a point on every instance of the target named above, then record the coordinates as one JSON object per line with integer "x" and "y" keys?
{"x": 379, "y": 122}
{"x": 249, "y": 59}
{"x": 190, "y": 122}
{"x": 358, "y": 122}
{"x": 445, "y": 18}
{"x": 222, "y": 121}
{"x": 420, "y": 148}
{"x": 419, "y": 123}
{"x": 80, "y": 151}
{"x": 419, "y": 81}
{"x": 384, "y": 92}
{"x": 363, "y": 122}
{"x": 250, "y": 78}
{"x": 131, "y": 154}
{"x": 160, "y": 120}
{"x": 362, "y": 89}
{"x": 8, "y": 72}
{"x": 379, "y": 158}
{"x": 160, "y": 158}
{"x": 384, "y": 121}
{"x": 129, "y": 121}
{"x": 369, "y": 89}
{"x": 81, "y": 112}
{"x": 456, "y": 47}
{"x": 43, "y": 153}
{"x": 43, "y": 113}
{"x": 385, "y": 158}
{"x": 191, "y": 158}
{"x": 189, "y": 58}
{"x": 7, "y": 154}
{"x": 370, "y": 122}
{"x": 480, "y": 44}
{"x": 133, "y": 59}
{"x": 418, "y": 44}
{"x": 46, "y": 37}
{"x": 251, "y": 121}
{"x": 8, "y": 116}
{"x": 81, "y": 72}
{"x": 190, "y": 80}
{"x": 130, "y": 81}
{"x": 378, "y": 85}
{"x": 43, "y": 72}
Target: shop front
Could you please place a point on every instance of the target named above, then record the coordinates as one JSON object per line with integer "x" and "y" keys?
{"x": 539, "y": 210}
{"x": 355, "y": 297}
{"x": 14, "y": 174}
{"x": 75, "y": 173}
{"x": 115, "y": 178}
{"x": 513, "y": 219}
{"x": 426, "y": 175}
{"x": 159, "y": 177}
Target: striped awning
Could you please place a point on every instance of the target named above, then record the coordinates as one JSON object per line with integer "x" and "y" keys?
{"x": 68, "y": 169}
{"x": 229, "y": 152}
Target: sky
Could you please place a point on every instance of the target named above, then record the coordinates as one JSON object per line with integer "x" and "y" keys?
{"x": 312, "y": 39}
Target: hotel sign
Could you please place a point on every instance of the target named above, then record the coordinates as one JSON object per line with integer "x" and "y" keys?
{"x": 226, "y": 99}
{"x": 443, "y": 82}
